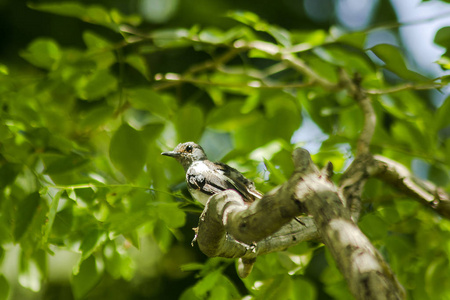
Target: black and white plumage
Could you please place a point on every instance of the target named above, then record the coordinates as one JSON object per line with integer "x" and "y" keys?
{"x": 205, "y": 178}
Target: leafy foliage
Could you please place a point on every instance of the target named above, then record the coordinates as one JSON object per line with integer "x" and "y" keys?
{"x": 82, "y": 132}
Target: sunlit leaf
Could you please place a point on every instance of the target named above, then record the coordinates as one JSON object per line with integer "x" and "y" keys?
{"x": 32, "y": 270}
{"x": 229, "y": 117}
{"x": 278, "y": 288}
{"x": 355, "y": 39}
{"x": 395, "y": 62}
{"x": 171, "y": 37}
{"x": 95, "y": 14}
{"x": 70, "y": 9}
{"x": 148, "y": 99}
{"x": 276, "y": 175}
{"x": 207, "y": 283}
{"x": 43, "y": 53}
{"x": 117, "y": 262}
{"x": 139, "y": 63}
{"x": 4, "y": 69}
{"x": 119, "y": 18}
{"x": 304, "y": 289}
{"x": 96, "y": 85}
{"x": 96, "y": 117}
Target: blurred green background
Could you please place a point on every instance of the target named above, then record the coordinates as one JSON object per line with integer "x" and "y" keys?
{"x": 90, "y": 209}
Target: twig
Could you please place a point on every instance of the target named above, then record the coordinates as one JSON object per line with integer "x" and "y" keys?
{"x": 403, "y": 87}
{"x": 254, "y": 84}
{"x": 301, "y": 66}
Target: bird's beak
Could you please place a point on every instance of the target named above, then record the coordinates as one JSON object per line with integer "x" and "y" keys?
{"x": 171, "y": 153}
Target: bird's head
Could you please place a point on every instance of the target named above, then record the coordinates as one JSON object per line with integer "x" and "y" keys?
{"x": 187, "y": 153}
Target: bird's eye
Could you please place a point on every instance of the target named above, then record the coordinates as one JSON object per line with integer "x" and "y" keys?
{"x": 189, "y": 148}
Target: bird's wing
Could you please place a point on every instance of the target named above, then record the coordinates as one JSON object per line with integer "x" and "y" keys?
{"x": 235, "y": 180}
{"x": 200, "y": 181}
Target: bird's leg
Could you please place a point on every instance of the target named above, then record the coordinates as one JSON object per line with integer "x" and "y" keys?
{"x": 195, "y": 236}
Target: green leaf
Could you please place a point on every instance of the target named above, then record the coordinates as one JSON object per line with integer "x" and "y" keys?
{"x": 245, "y": 17}
{"x": 410, "y": 134}
{"x": 87, "y": 278}
{"x": 94, "y": 41}
{"x": 279, "y": 288}
{"x": 439, "y": 175}
{"x": 95, "y": 14}
{"x": 51, "y": 216}
{"x": 8, "y": 173}
{"x": 191, "y": 267}
{"x": 4, "y": 288}
{"x": 171, "y": 214}
{"x": 282, "y": 113}
{"x": 43, "y": 53}
{"x": 276, "y": 175}
{"x": 148, "y": 99}
{"x": 139, "y": 63}
{"x": 395, "y": 62}
{"x": 96, "y": 85}
{"x": 69, "y": 9}
{"x": 167, "y": 38}
{"x": 217, "y": 36}
{"x": 32, "y": 270}
{"x": 63, "y": 222}
{"x": 443, "y": 114}
{"x": 189, "y": 122}
{"x": 99, "y": 50}
{"x": 207, "y": 283}
{"x": 442, "y": 38}
{"x": 58, "y": 164}
{"x": 26, "y": 209}
{"x": 92, "y": 240}
{"x": 119, "y": 18}
{"x": 373, "y": 226}
{"x": 355, "y": 39}
{"x": 96, "y": 117}
{"x": 128, "y": 151}
{"x": 117, "y": 262}
{"x": 163, "y": 235}
{"x": 229, "y": 117}
{"x": 437, "y": 279}
{"x": 4, "y": 69}
{"x": 444, "y": 62}
{"x": 152, "y": 131}
{"x": 351, "y": 61}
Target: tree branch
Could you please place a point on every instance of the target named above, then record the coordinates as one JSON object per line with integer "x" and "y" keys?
{"x": 355, "y": 177}
{"x": 401, "y": 178}
{"x": 231, "y": 228}
{"x": 367, "y": 274}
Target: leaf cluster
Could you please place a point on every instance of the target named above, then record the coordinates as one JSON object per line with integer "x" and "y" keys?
{"x": 81, "y": 136}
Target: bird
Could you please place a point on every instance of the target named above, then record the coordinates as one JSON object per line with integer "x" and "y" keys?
{"x": 205, "y": 178}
